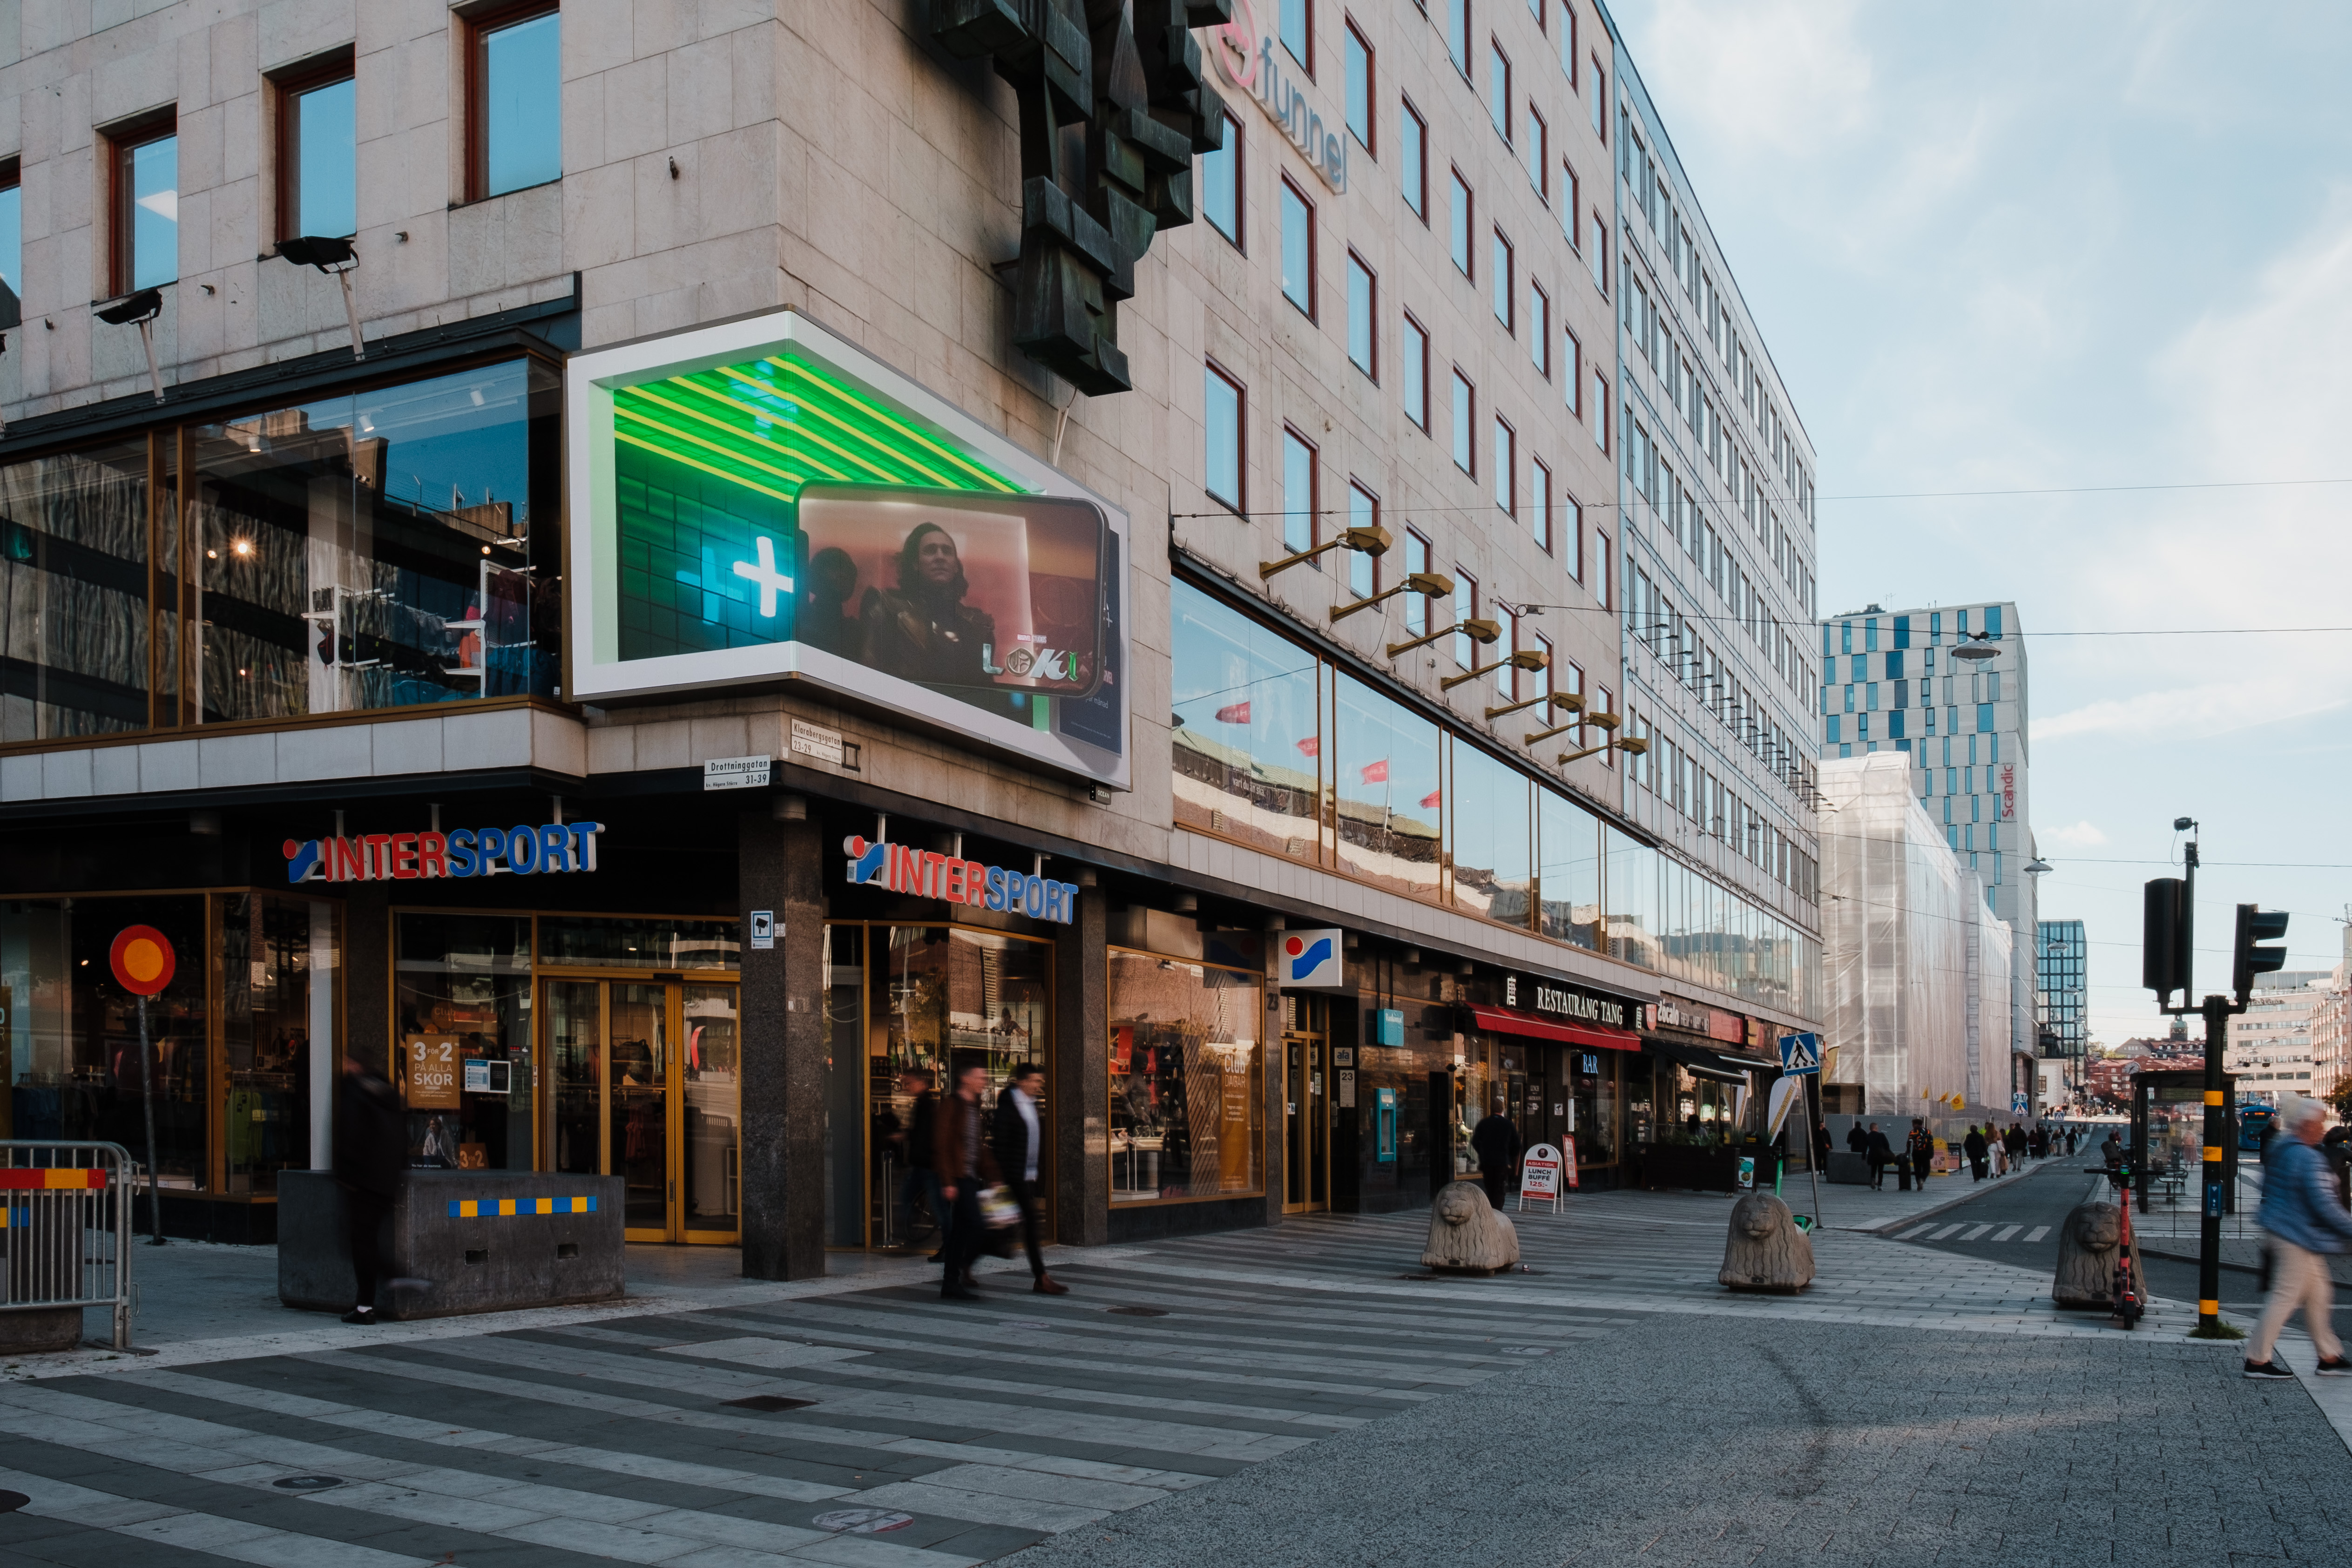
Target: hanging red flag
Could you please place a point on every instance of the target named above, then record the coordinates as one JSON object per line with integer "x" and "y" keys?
{"x": 1236, "y": 714}
{"x": 1312, "y": 746}
{"x": 1377, "y": 773}
{"x": 1429, "y": 801}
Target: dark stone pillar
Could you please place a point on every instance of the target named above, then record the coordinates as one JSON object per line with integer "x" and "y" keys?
{"x": 1080, "y": 1085}
{"x": 784, "y": 1050}
{"x": 367, "y": 975}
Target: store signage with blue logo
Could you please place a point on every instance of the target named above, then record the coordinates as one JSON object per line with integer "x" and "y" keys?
{"x": 522, "y": 849}
{"x": 925, "y": 874}
{"x": 1312, "y": 960}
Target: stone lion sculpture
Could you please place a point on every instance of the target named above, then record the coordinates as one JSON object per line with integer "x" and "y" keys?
{"x": 1465, "y": 1235}
{"x": 2086, "y": 1258}
{"x": 1765, "y": 1250}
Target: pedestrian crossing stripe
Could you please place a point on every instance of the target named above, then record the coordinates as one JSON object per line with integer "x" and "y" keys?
{"x": 492, "y": 1208}
{"x": 38, "y": 1178}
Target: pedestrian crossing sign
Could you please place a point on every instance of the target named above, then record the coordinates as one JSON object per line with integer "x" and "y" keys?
{"x": 1801, "y": 1054}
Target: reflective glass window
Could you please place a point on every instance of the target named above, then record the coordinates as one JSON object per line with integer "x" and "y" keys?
{"x": 1386, "y": 790}
{"x": 518, "y": 103}
{"x": 1247, "y": 747}
{"x": 1568, "y": 838}
{"x": 466, "y": 979}
{"x": 1631, "y": 888}
{"x": 73, "y": 594}
{"x": 1187, "y": 1079}
{"x": 1492, "y": 842}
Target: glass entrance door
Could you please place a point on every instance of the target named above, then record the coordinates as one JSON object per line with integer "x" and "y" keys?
{"x": 1306, "y": 1121}
{"x": 647, "y": 1087}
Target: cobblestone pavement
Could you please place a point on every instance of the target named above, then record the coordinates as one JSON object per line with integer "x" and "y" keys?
{"x": 1302, "y": 1394}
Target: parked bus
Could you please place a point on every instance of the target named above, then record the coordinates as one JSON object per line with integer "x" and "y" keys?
{"x": 2253, "y": 1121}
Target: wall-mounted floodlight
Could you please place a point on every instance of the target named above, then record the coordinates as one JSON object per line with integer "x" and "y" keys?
{"x": 1568, "y": 699}
{"x": 1372, "y": 541}
{"x": 140, "y": 311}
{"x": 1632, "y": 745}
{"x": 1430, "y": 585}
{"x": 1528, "y": 658}
{"x": 1477, "y": 631}
{"x": 337, "y": 259}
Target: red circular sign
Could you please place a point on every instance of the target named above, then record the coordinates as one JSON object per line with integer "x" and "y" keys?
{"x": 1294, "y": 947}
{"x": 142, "y": 960}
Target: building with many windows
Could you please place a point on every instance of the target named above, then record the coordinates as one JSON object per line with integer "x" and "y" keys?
{"x": 2274, "y": 1045}
{"x": 652, "y": 573}
{"x": 2062, "y": 962}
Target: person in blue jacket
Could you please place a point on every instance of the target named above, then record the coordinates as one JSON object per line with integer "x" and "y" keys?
{"x": 2308, "y": 1223}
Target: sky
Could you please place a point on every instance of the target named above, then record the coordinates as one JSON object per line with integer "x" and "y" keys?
{"x": 2014, "y": 247}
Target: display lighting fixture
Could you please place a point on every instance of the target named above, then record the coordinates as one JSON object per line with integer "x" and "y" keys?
{"x": 1430, "y": 585}
{"x": 140, "y": 311}
{"x": 1477, "y": 631}
{"x": 1574, "y": 704}
{"x": 1527, "y": 658}
{"x": 1373, "y": 541}
{"x": 1568, "y": 699}
{"x": 772, "y": 424}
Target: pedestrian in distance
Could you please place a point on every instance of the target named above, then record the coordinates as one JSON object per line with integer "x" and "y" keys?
{"x": 370, "y": 1147}
{"x": 1979, "y": 1152}
{"x": 964, "y": 1162}
{"x": 1821, "y": 1145}
{"x": 1921, "y": 1147}
{"x": 1496, "y": 1143}
{"x": 2018, "y": 1145}
{"x": 918, "y": 1144}
{"x": 2307, "y": 1222}
{"x": 2110, "y": 1152}
{"x": 2337, "y": 1150}
{"x": 1857, "y": 1141}
{"x": 1017, "y": 1139}
{"x": 1881, "y": 1153}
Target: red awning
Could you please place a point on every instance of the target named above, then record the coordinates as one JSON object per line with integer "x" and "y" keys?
{"x": 1535, "y": 1026}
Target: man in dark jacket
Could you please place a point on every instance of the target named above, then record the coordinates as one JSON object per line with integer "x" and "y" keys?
{"x": 1496, "y": 1143}
{"x": 1980, "y": 1151}
{"x": 1880, "y": 1153}
{"x": 1821, "y": 1147}
{"x": 1017, "y": 1138}
{"x": 965, "y": 1165}
{"x": 1857, "y": 1141}
{"x": 1921, "y": 1148}
{"x": 917, "y": 1140}
{"x": 370, "y": 1147}
{"x": 2015, "y": 1143}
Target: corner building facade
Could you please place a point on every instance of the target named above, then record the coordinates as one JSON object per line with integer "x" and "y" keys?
{"x": 809, "y": 539}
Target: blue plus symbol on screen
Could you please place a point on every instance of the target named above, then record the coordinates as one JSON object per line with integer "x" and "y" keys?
{"x": 764, "y": 572}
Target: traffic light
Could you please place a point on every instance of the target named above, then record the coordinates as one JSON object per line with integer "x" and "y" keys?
{"x": 2164, "y": 939}
{"x": 2255, "y": 926}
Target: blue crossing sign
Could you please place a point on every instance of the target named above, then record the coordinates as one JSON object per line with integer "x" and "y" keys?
{"x": 1800, "y": 1055}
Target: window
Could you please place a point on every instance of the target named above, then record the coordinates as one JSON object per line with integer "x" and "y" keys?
{"x": 1297, "y": 250}
{"x": 1174, "y": 1026}
{"x": 1539, "y": 327}
{"x": 1503, "y": 283}
{"x": 1608, "y": 705}
{"x": 1572, "y": 519}
{"x": 1568, "y": 44}
{"x": 1571, "y": 197}
{"x": 318, "y": 153}
{"x": 1465, "y": 610}
{"x": 1506, "y": 674}
{"x": 1600, "y": 568}
{"x": 1297, "y": 24}
{"x": 146, "y": 164}
{"x": 1220, "y": 185}
{"x": 1458, "y": 34}
{"x": 12, "y": 233}
{"x": 1465, "y": 397}
{"x": 1412, "y": 158}
{"x": 1363, "y": 511}
{"x": 514, "y": 100}
{"x": 1600, "y": 99}
{"x": 1221, "y": 423}
{"x": 1460, "y": 220}
{"x": 1599, "y": 253}
{"x": 1363, "y": 310}
{"x": 1360, "y": 88}
{"x": 1572, "y": 354}
{"x": 1499, "y": 89}
{"x": 1599, "y": 409}
{"x": 1506, "y": 468}
{"x": 1538, "y": 154}
{"x": 1539, "y": 502}
{"x": 1416, "y": 372}
{"x": 1416, "y": 561}
{"x": 1298, "y": 529}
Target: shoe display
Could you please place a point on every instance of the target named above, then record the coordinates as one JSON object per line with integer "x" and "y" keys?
{"x": 1047, "y": 1285}
{"x": 2272, "y": 1368}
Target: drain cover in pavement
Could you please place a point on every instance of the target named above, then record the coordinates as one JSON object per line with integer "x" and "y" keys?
{"x": 1139, "y": 1312}
{"x": 862, "y": 1521}
{"x": 10, "y": 1501}
{"x": 306, "y": 1483}
{"x": 768, "y": 1402}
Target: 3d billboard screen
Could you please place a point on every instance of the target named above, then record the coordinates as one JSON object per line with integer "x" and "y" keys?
{"x": 764, "y": 503}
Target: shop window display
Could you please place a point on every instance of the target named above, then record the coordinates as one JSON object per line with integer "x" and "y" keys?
{"x": 276, "y": 980}
{"x": 71, "y": 1032}
{"x": 465, "y": 980}
{"x": 1187, "y": 1079}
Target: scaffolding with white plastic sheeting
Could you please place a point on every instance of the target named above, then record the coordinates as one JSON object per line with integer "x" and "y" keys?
{"x": 1915, "y": 963}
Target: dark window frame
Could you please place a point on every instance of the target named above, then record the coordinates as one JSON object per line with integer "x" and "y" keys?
{"x": 1355, "y": 263}
{"x": 1310, "y": 310}
{"x": 120, "y": 141}
{"x": 1239, "y": 504}
{"x": 1419, "y": 203}
{"x": 1291, "y": 432}
{"x": 286, "y": 87}
{"x": 1422, "y": 333}
{"x": 1369, "y": 140}
{"x": 479, "y": 25}
{"x": 1235, "y": 143}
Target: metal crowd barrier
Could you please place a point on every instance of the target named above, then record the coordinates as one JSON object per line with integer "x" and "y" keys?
{"x": 65, "y": 1229}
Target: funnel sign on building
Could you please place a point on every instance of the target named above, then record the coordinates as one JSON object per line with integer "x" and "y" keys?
{"x": 1312, "y": 960}
{"x": 1250, "y": 61}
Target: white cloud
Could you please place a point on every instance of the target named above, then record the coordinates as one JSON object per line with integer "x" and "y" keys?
{"x": 1778, "y": 78}
{"x": 2081, "y": 835}
{"x": 2202, "y": 711}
